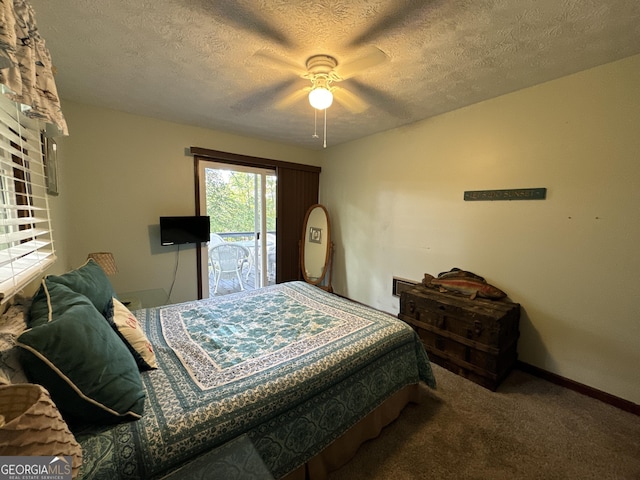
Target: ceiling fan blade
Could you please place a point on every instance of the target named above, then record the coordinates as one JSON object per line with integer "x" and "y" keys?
{"x": 247, "y": 19}
{"x": 398, "y": 14}
{"x": 349, "y": 100}
{"x": 372, "y": 57}
{"x": 382, "y": 100}
{"x": 290, "y": 98}
{"x": 264, "y": 97}
{"x": 270, "y": 59}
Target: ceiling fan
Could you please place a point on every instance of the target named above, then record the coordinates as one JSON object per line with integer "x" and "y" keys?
{"x": 323, "y": 73}
{"x": 392, "y": 15}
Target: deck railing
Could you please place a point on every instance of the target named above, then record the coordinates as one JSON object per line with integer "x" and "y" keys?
{"x": 238, "y": 236}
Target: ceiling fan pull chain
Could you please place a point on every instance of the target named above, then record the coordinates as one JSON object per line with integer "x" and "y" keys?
{"x": 315, "y": 124}
{"x": 325, "y": 129}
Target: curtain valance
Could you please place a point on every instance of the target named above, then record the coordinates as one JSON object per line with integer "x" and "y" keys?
{"x": 25, "y": 64}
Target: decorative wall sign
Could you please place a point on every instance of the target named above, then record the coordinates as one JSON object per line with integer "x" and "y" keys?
{"x": 512, "y": 194}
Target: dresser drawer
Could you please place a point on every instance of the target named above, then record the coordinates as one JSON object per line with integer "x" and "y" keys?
{"x": 492, "y": 323}
{"x": 482, "y": 362}
{"x": 487, "y": 380}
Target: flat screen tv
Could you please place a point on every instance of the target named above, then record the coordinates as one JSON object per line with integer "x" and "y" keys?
{"x": 180, "y": 230}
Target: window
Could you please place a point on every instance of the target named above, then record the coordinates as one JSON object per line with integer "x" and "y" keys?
{"x": 26, "y": 246}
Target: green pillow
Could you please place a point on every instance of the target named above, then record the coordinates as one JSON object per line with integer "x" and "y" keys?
{"x": 39, "y": 310}
{"x": 89, "y": 372}
{"x": 51, "y": 301}
{"x": 89, "y": 280}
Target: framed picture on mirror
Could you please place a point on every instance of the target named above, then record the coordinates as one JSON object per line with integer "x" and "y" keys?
{"x": 315, "y": 235}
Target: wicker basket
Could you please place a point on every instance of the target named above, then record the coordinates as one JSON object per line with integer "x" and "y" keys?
{"x": 30, "y": 424}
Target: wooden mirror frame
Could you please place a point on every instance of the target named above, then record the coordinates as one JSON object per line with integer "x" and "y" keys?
{"x": 324, "y": 280}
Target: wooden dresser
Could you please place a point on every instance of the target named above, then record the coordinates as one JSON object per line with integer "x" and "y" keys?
{"x": 476, "y": 339}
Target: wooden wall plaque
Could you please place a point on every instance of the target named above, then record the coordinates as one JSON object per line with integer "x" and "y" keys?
{"x": 511, "y": 194}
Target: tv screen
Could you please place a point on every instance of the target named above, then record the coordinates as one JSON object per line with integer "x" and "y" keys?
{"x": 179, "y": 230}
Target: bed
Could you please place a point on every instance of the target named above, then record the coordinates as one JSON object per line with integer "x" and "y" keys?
{"x": 281, "y": 382}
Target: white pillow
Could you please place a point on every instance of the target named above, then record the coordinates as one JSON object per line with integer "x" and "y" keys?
{"x": 129, "y": 330}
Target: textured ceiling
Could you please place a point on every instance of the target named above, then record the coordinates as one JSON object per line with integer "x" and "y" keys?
{"x": 195, "y": 62}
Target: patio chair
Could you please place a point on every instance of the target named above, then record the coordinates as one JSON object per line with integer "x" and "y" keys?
{"x": 215, "y": 239}
{"x": 226, "y": 260}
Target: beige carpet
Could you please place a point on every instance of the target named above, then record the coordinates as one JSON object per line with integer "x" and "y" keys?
{"x": 528, "y": 429}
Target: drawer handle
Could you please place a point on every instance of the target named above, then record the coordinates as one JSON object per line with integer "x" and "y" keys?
{"x": 477, "y": 328}
{"x": 441, "y": 323}
{"x": 412, "y": 306}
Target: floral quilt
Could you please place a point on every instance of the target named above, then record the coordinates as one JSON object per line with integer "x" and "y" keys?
{"x": 288, "y": 367}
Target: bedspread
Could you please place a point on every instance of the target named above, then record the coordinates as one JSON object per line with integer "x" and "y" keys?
{"x": 290, "y": 366}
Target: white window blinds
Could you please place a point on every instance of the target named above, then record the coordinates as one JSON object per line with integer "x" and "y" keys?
{"x": 26, "y": 246}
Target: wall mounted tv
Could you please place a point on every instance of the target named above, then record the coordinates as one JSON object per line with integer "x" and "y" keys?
{"x": 180, "y": 230}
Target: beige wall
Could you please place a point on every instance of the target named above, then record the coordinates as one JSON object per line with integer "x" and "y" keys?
{"x": 396, "y": 203}
{"x": 118, "y": 174}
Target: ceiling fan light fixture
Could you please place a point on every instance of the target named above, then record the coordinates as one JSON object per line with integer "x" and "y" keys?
{"x": 320, "y": 98}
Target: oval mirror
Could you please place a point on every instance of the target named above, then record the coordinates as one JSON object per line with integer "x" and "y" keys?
{"x": 315, "y": 254}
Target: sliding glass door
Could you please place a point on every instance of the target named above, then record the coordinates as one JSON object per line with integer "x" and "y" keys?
{"x": 241, "y": 202}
